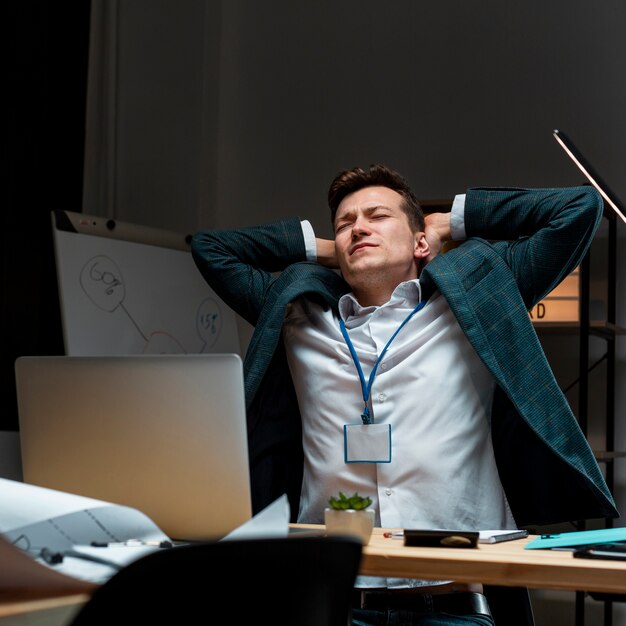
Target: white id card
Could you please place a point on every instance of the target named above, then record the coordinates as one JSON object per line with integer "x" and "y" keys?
{"x": 367, "y": 443}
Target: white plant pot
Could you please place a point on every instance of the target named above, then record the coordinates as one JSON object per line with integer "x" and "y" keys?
{"x": 350, "y": 522}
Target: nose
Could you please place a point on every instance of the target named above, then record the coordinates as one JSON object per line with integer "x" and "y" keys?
{"x": 359, "y": 227}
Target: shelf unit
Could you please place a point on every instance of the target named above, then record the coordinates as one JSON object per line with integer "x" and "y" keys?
{"x": 608, "y": 332}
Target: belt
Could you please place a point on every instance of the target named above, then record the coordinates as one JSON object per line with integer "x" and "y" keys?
{"x": 460, "y": 603}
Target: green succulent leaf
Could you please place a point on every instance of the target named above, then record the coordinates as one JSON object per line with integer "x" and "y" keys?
{"x": 342, "y": 502}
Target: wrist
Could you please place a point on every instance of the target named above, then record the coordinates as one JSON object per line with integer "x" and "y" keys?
{"x": 326, "y": 253}
{"x": 439, "y": 224}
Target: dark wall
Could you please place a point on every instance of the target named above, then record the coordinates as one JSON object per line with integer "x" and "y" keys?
{"x": 45, "y": 120}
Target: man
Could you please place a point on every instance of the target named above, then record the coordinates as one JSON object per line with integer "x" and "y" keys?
{"x": 415, "y": 377}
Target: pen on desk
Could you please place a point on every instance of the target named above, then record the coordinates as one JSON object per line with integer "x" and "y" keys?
{"x": 131, "y": 543}
{"x": 396, "y": 534}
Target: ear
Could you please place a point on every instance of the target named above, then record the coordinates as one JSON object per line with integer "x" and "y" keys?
{"x": 422, "y": 247}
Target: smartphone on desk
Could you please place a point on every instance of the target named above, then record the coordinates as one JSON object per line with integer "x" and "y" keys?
{"x": 441, "y": 538}
{"x": 614, "y": 551}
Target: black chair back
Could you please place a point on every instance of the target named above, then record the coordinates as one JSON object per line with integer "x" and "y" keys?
{"x": 295, "y": 581}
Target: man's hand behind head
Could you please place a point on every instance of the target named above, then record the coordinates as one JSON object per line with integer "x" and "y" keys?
{"x": 437, "y": 233}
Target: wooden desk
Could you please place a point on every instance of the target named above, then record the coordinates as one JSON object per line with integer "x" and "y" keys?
{"x": 505, "y": 564}
{"x": 55, "y": 611}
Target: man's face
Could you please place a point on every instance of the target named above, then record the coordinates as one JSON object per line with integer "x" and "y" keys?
{"x": 373, "y": 241}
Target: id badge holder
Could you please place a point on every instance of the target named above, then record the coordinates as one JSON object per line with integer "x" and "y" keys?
{"x": 367, "y": 443}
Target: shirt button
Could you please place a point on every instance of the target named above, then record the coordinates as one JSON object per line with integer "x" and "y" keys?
{"x": 383, "y": 366}
{"x": 382, "y": 397}
{"x": 388, "y": 491}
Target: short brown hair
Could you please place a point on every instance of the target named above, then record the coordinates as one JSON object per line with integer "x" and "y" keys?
{"x": 377, "y": 175}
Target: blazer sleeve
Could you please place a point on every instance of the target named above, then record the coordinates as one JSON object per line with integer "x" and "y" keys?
{"x": 543, "y": 234}
{"x": 241, "y": 265}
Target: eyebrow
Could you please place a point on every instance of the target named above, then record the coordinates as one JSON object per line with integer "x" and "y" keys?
{"x": 367, "y": 210}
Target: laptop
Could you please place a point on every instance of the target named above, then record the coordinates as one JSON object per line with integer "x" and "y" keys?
{"x": 164, "y": 434}
{"x": 590, "y": 173}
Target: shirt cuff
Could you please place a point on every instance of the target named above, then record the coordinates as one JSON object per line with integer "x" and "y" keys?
{"x": 309, "y": 240}
{"x": 457, "y": 218}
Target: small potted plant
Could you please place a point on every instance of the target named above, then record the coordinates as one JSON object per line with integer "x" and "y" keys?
{"x": 349, "y": 516}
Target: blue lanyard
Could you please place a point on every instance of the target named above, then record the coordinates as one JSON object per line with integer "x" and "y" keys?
{"x": 366, "y": 388}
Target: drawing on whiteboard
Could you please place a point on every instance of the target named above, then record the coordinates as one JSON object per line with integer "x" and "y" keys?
{"x": 102, "y": 281}
{"x": 209, "y": 322}
{"x": 134, "y": 290}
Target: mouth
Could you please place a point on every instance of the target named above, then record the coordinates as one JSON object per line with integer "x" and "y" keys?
{"x": 361, "y": 246}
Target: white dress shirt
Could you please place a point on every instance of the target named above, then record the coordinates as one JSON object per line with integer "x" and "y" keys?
{"x": 430, "y": 386}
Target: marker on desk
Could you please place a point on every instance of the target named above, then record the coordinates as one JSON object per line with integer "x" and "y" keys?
{"x": 396, "y": 534}
{"x": 55, "y": 557}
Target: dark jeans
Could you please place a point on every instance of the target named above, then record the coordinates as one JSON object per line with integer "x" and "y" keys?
{"x": 393, "y": 609}
{"x": 393, "y": 617}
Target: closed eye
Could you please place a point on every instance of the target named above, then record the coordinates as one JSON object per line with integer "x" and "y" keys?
{"x": 341, "y": 226}
{"x": 380, "y": 214}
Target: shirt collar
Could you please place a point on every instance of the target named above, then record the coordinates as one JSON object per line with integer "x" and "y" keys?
{"x": 406, "y": 295}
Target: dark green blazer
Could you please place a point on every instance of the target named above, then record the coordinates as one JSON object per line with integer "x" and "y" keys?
{"x": 520, "y": 244}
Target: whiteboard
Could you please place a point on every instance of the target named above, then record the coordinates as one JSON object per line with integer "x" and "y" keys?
{"x": 129, "y": 289}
